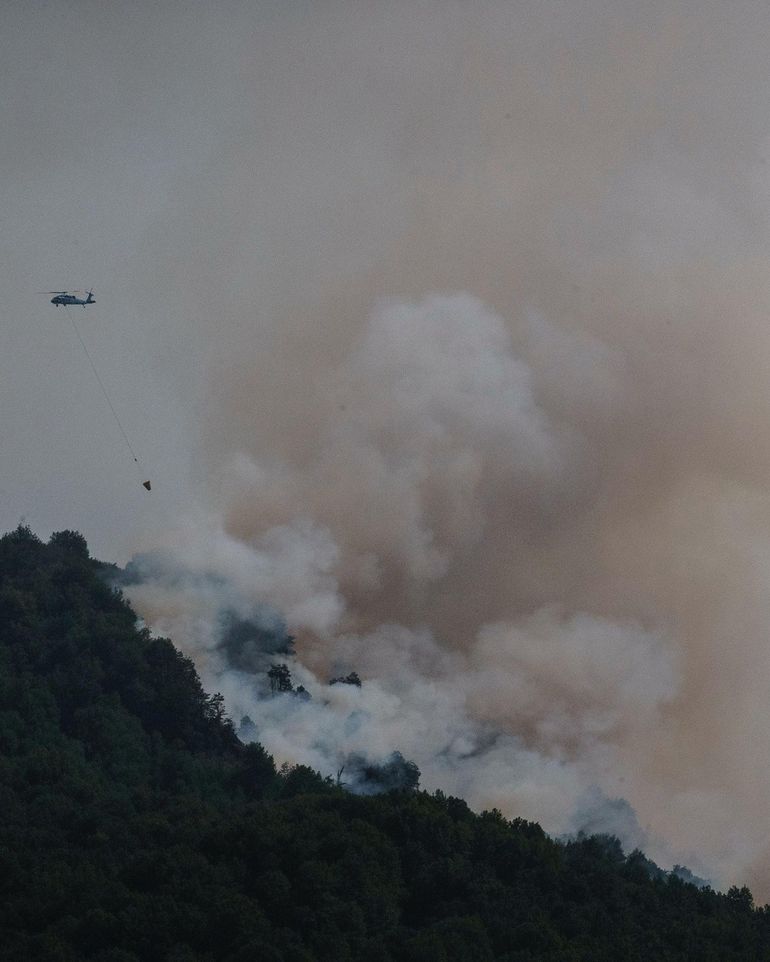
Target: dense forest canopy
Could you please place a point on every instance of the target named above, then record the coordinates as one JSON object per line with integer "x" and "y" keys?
{"x": 137, "y": 825}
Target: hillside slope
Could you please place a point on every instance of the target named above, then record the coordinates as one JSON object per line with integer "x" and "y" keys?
{"x": 135, "y": 825}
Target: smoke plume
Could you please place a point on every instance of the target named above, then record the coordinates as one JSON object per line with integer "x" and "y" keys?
{"x": 489, "y": 424}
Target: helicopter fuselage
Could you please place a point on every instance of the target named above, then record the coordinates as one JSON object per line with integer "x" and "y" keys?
{"x": 68, "y": 299}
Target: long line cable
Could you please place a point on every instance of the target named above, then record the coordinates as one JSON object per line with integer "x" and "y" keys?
{"x": 104, "y": 389}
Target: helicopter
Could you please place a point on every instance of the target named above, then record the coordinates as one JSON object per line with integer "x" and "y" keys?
{"x": 68, "y": 298}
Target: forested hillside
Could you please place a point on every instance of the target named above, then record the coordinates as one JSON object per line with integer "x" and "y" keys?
{"x": 136, "y": 825}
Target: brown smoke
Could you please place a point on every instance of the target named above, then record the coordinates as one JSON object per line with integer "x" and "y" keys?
{"x": 497, "y": 428}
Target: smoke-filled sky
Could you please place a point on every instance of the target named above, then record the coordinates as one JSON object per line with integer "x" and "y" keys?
{"x": 443, "y": 332}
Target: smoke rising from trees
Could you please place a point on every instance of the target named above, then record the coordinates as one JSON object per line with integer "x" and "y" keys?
{"x": 489, "y": 423}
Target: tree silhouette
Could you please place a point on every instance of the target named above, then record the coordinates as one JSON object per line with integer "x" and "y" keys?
{"x": 280, "y": 678}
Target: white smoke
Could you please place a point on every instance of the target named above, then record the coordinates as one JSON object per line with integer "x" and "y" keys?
{"x": 430, "y": 416}
{"x": 483, "y": 291}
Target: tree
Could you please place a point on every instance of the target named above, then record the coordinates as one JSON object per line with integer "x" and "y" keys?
{"x": 351, "y": 679}
{"x": 247, "y": 730}
{"x": 70, "y": 541}
{"x": 215, "y": 707}
{"x": 280, "y": 678}
{"x": 394, "y": 774}
{"x": 741, "y": 898}
{"x": 258, "y": 770}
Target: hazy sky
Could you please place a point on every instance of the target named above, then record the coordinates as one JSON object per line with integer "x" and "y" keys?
{"x": 118, "y": 120}
{"x": 444, "y": 328}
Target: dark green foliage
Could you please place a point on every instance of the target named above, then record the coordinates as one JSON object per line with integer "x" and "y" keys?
{"x": 280, "y": 678}
{"x": 395, "y": 774}
{"x": 136, "y": 826}
{"x": 351, "y": 679}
